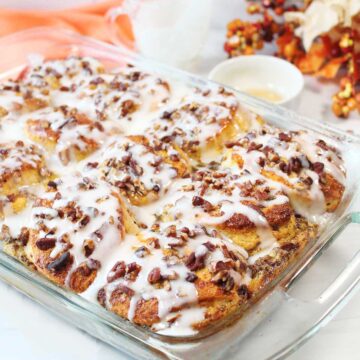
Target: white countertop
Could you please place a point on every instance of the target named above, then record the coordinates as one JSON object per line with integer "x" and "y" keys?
{"x": 29, "y": 331}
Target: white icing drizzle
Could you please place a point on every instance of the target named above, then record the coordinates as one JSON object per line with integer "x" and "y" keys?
{"x": 133, "y": 160}
{"x": 16, "y": 156}
{"x": 199, "y": 118}
{"x": 226, "y": 200}
{"x": 79, "y": 209}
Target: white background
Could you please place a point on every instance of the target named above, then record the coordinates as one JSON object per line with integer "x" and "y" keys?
{"x": 28, "y": 331}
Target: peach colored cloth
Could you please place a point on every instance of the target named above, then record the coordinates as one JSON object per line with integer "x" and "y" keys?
{"x": 86, "y": 20}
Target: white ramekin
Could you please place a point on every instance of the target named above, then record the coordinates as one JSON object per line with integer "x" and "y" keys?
{"x": 260, "y": 71}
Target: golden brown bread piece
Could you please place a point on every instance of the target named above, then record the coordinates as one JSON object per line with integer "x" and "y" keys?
{"x": 179, "y": 267}
{"x": 248, "y": 210}
{"x": 20, "y": 164}
{"x": 201, "y": 124}
{"x": 71, "y": 134}
{"x": 142, "y": 170}
{"x": 71, "y": 221}
{"x": 221, "y": 276}
{"x": 308, "y": 169}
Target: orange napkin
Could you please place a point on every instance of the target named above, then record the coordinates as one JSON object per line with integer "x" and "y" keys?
{"x": 87, "y": 20}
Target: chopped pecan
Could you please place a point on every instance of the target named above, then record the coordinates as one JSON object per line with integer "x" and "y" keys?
{"x": 261, "y": 161}
{"x": 154, "y": 276}
{"x": 308, "y": 181}
{"x": 142, "y": 251}
{"x": 191, "y": 277}
{"x": 172, "y": 276}
{"x": 101, "y": 297}
{"x": 284, "y": 137}
{"x": 136, "y": 168}
{"x": 122, "y": 289}
{"x": 52, "y": 184}
{"x": 24, "y": 236}
{"x": 253, "y": 146}
{"x": 60, "y": 263}
{"x": 46, "y": 243}
{"x": 132, "y": 271}
{"x": 294, "y": 165}
{"x": 154, "y": 242}
{"x": 127, "y": 107}
{"x": 194, "y": 262}
{"x": 289, "y": 246}
{"x": 88, "y": 247}
{"x": 117, "y": 271}
{"x": 84, "y": 221}
{"x": 156, "y": 188}
{"x": 318, "y": 167}
{"x": 224, "y": 280}
{"x": 221, "y": 265}
{"x": 323, "y": 145}
{"x": 244, "y": 291}
{"x": 171, "y": 231}
{"x": 210, "y": 246}
{"x": 199, "y": 201}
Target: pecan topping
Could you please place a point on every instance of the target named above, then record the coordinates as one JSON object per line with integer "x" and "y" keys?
{"x": 97, "y": 81}
{"x": 124, "y": 290}
{"x": 221, "y": 265}
{"x": 154, "y": 242}
{"x": 154, "y": 276}
{"x": 52, "y": 184}
{"x": 156, "y": 188}
{"x": 60, "y": 263}
{"x": 294, "y": 165}
{"x": 46, "y": 243}
{"x": 253, "y": 146}
{"x": 308, "y": 181}
{"x": 24, "y": 236}
{"x": 323, "y": 145}
{"x": 210, "y": 246}
{"x": 117, "y": 271}
{"x": 84, "y": 221}
{"x": 127, "y": 107}
{"x": 136, "y": 168}
{"x": 88, "y": 247}
{"x": 289, "y": 246}
{"x": 199, "y": 201}
{"x": 261, "y": 162}
{"x": 132, "y": 272}
{"x": 101, "y": 297}
{"x": 5, "y": 234}
{"x": 318, "y": 167}
{"x": 194, "y": 262}
{"x": 284, "y": 137}
{"x": 243, "y": 291}
{"x": 142, "y": 251}
{"x": 191, "y": 277}
{"x": 224, "y": 280}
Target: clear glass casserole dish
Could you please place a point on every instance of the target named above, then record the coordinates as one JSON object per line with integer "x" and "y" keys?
{"x": 228, "y": 338}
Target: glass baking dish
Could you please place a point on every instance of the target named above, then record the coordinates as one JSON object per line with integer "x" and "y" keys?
{"x": 259, "y": 333}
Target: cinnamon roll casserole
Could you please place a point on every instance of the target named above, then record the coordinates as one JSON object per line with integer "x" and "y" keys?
{"x": 170, "y": 206}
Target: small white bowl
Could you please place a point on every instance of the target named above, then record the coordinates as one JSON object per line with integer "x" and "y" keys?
{"x": 254, "y": 73}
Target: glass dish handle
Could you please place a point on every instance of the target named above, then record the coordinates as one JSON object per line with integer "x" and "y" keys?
{"x": 348, "y": 278}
